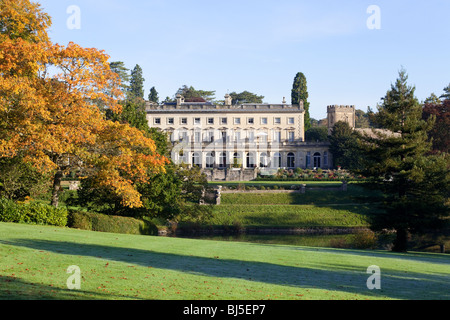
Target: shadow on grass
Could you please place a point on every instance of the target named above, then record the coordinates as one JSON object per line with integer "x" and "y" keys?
{"x": 13, "y": 288}
{"x": 395, "y": 283}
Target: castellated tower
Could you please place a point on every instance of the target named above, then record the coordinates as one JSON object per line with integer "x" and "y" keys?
{"x": 340, "y": 113}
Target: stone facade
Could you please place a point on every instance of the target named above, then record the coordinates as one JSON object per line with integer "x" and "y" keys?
{"x": 237, "y": 142}
{"x": 340, "y": 113}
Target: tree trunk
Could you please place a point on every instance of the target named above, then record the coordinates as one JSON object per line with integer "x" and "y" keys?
{"x": 56, "y": 189}
{"x": 401, "y": 241}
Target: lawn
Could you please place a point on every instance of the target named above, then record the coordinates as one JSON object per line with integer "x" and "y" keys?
{"x": 291, "y": 216}
{"x": 34, "y": 261}
{"x": 315, "y": 208}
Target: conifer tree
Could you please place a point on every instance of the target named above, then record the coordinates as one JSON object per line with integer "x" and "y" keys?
{"x": 300, "y": 93}
{"x": 153, "y": 96}
{"x": 398, "y": 162}
{"x": 136, "y": 88}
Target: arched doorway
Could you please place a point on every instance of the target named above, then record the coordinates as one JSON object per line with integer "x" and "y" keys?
{"x": 317, "y": 160}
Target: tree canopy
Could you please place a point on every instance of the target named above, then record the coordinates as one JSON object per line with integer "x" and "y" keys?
{"x": 397, "y": 161}
{"x": 52, "y": 119}
{"x": 300, "y": 93}
{"x": 245, "y": 97}
{"x": 189, "y": 93}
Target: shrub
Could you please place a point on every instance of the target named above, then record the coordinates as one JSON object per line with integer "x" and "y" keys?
{"x": 365, "y": 239}
{"x": 9, "y": 211}
{"x": 33, "y": 213}
{"x": 38, "y": 213}
{"x": 113, "y": 224}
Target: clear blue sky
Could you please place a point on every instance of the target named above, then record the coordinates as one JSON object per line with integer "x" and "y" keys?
{"x": 260, "y": 45}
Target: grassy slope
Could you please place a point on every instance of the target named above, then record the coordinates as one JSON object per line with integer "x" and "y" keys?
{"x": 316, "y": 208}
{"x": 34, "y": 260}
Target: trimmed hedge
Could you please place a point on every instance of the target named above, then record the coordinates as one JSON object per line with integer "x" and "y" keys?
{"x": 32, "y": 213}
{"x": 113, "y": 224}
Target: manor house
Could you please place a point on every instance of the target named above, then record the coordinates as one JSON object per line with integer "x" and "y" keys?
{"x": 235, "y": 142}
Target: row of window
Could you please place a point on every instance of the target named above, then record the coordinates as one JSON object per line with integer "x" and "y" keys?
{"x": 208, "y": 136}
{"x": 224, "y": 121}
{"x": 264, "y": 161}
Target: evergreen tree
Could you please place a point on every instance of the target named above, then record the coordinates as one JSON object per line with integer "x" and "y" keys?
{"x": 344, "y": 146}
{"x": 446, "y": 95}
{"x": 398, "y": 163}
{"x": 245, "y": 97}
{"x": 124, "y": 73}
{"x": 153, "y": 96}
{"x": 190, "y": 93}
{"x": 136, "y": 88}
{"x": 300, "y": 92}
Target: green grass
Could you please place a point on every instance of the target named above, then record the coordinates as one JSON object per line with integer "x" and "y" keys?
{"x": 354, "y": 195}
{"x": 315, "y": 208}
{"x": 289, "y": 216}
{"x": 34, "y": 260}
{"x": 285, "y": 184}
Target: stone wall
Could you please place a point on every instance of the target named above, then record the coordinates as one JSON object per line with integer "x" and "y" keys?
{"x": 230, "y": 174}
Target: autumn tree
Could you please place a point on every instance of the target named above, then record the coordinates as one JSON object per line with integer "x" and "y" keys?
{"x": 49, "y": 112}
{"x": 440, "y": 131}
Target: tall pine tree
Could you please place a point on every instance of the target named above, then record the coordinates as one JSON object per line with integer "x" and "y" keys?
{"x": 300, "y": 92}
{"x": 397, "y": 162}
{"x": 136, "y": 88}
{"x": 153, "y": 96}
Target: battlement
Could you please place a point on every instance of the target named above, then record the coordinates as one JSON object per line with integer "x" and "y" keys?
{"x": 340, "y": 108}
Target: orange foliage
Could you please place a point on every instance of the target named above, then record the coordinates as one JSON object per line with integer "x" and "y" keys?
{"x": 52, "y": 101}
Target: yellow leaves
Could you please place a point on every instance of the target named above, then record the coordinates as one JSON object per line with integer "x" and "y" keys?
{"x": 48, "y": 116}
{"x": 24, "y": 19}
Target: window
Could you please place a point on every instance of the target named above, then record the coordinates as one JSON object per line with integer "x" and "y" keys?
{"x": 251, "y": 120}
{"x": 325, "y": 159}
{"x": 277, "y": 136}
{"x": 183, "y": 121}
{"x": 210, "y": 136}
{"x": 223, "y": 121}
{"x": 223, "y": 160}
{"x": 210, "y": 120}
{"x": 170, "y": 121}
{"x": 291, "y": 136}
{"x": 197, "y": 136}
{"x": 263, "y": 160}
{"x": 250, "y": 160}
{"x": 237, "y": 136}
{"x": 182, "y": 157}
{"x": 277, "y": 160}
{"x": 308, "y": 159}
{"x": 197, "y": 121}
{"x": 291, "y": 160}
{"x": 184, "y": 136}
{"x": 210, "y": 159}
{"x": 237, "y": 120}
{"x": 317, "y": 159}
{"x": 237, "y": 162}
{"x": 277, "y": 120}
{"x": 251, "y": 136}
{"x": 262, "y": 137}
{"x": 291, "y": 120}
{"x": 196, "y": 161}
{"x": 157, "y": 121}
{"x": 263, "y": 120}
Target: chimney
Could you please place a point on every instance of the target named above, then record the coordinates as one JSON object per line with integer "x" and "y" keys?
{"x": 180, "y": 100}
{"x": 228, "y": 100}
